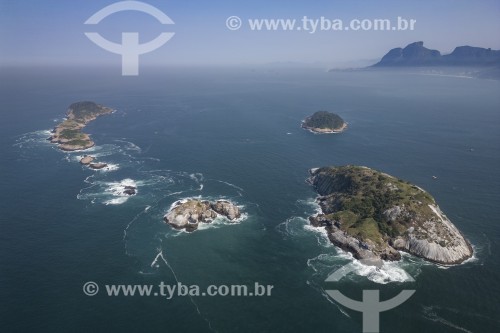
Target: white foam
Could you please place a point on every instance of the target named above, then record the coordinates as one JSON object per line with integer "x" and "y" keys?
{"x": 197, "y": 177}
{"x": 291, "y": 226}
{"x": 430, "y": 314}
{"x": 31, "y": 139}
{"x": 231, "y": 185}
{"x": 322, "y": 234}
{"x": 389, "y": 272}
{"x": 130, "y": 145}
{"x": 109, "y": 167}
{"x": 474, "y": 257}
{"x": 216, "y": 223}
{"x": 160, "y": 255}
{"x": 312, "y": 203}
{"x": 328, "y": 298}
{"x": 116, "y": 201}
{"x": 117, "y": 190}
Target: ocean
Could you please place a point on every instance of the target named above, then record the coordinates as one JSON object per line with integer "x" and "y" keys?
{"x": 234, "y": 133}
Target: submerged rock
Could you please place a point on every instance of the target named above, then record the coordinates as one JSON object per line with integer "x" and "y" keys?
{"x": 374, "y": 215}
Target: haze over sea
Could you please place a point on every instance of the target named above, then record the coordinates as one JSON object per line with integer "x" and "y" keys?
{"x": 235, "y": 133}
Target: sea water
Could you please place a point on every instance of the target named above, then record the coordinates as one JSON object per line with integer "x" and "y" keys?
{"x": 213, "y": 133}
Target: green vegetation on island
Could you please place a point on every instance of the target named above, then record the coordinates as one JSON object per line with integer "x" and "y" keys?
{"x": 68, "y": 134}
{"x": 324, "y": 122}
{"x": 374, "y": 215}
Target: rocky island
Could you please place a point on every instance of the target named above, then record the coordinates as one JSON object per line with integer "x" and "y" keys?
{"x": 189, "y": 213}
{"x": 374, "y": 216}
{"x": 68, "y": 134}
{"x": 88, "y": 160}
{"x": 324, "y": 122}
{"x": 130, "y": 190}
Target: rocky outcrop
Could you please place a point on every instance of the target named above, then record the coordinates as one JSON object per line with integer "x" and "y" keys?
{"x": 225, "y": 208}
{"x": 436, "y": 240}
{"x": 87, "y": 159}
{"x": 374, "y": 215}
{"x": 90, "y": 162}
{"x": 188, "y": 214}
{"x": 130, "y": 190}
{"x": 97, "y": 166}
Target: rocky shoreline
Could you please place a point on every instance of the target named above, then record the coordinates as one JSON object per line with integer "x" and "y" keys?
{"x": 190, "y": 213}
{"x": 374, "y": 216}
{"x": 318, "y": 130}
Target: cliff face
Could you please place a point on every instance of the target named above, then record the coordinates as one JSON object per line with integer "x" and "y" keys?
{"x": 415, "y": 54}
{"x": 373, "y": 215}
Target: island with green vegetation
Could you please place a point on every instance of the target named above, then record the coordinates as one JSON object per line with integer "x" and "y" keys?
{"x": 68, "y": 134}
{"x": 374, "y": 216}
{"x": 324, "y": 122}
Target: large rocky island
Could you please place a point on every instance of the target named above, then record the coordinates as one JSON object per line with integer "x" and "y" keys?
{"x": 68, "y": 134}
{"x": 324, "y": 122}
{"x": 188, "y": 214}
{"x": 374, "y": 216}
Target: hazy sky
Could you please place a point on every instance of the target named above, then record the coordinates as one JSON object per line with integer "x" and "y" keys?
{"x": 52, "y": 31}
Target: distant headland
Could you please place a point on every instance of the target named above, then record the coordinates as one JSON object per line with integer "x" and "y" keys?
{"x": 68, "y": 134}
{"x": 416, "y": 55}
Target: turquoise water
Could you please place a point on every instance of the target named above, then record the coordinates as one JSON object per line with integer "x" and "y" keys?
{"x": 234, "y": 133}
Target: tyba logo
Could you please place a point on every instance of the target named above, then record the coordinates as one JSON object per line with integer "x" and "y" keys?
{"x": 370, "y": 306}
{"x": 130, "y": 49}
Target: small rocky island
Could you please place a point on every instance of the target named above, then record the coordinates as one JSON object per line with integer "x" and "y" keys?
{"x": 324, "y": 122}
{"x": 89, "y": 161}
{"x": 189, "y": 213}
{"x": 129, "y": 190}
{"x": 374, "y": 216}
{"x": 68, "y": 134}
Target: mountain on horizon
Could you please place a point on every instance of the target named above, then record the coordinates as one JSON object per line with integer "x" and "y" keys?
{"x": 415, "y": 54}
